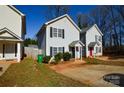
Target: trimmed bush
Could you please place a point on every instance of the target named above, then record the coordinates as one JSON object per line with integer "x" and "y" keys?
{"x": 46, "y": 59}
{"x": 58, "y": 57}
{"x": 66, "y": 56}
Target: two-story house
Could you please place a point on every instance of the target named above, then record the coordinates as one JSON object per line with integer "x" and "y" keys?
{"x": 92, "y": 38}
{"x": 60, "y": 35}
{"x": 12, "y": 33}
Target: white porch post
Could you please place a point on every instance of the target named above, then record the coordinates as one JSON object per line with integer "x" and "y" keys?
{"x": 75, "y": 52}
{"x": 18, "y": 52}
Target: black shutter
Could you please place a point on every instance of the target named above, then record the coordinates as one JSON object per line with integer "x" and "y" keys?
{"x": 63, "y": 33}
{"x": 50, "y": 51}
{"x": 3, "y": 50}
{"x": 15, "y": 50}
{"x": 50, "y": 31}
{"x": 63, "y": 50}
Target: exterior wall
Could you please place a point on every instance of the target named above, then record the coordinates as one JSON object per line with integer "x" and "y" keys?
{"x": 42, "y": 42}
{"x": 70, "y": 34}
{"x": 13, "y": 21}
{"x": 10, "y": 19}
{"x": 90, "y": 37}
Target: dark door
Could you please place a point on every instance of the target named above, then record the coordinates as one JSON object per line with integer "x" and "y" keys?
{"x": 91, "y": 50}
{"x": 73, "y": 52}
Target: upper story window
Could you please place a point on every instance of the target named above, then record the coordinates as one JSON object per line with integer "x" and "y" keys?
{"x": 60, "y": 32}
{"x": 98, "y": 38}
{"x": 54, "y": 32}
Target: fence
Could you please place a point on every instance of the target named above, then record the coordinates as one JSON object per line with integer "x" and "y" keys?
{"x": 32, "y": 52}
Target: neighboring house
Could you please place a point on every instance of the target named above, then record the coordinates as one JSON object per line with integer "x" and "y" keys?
{"x": 92, "y": 38}
{"x": 60, "y": 35}
{"x": 12, "y": 33}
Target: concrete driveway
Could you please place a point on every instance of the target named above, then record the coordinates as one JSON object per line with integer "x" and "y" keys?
{"x": 5, "y": 66}
{"x": 91, "y": 75}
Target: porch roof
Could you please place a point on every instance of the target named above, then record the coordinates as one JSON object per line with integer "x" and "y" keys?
{"x": 92, "y": 44}
{"x": 12, "y": 37}
{"x": 75, "y": 42}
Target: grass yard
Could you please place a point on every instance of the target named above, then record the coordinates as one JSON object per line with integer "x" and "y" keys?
{"x": 97, "y": 61}
{"x": 29, "y": 73}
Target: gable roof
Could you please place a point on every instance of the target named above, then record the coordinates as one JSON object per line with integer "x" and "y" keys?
{"x": 87, "y": 28}
{"x": 16, "y": 37}
{"x": 63, "y": 16}
{"x": 16, "y": 10}
{"x": 58, "y": 18}
{"x": 75, "y": 42}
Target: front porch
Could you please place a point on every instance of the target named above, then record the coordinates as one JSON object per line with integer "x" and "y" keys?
{"x": 10, "y": 46}
{"x": 9, "y": 51}
{"x": 76, "y": 48}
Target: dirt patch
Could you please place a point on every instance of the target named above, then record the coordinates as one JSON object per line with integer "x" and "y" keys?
{"x": 112, "y": 58}
{"x": 67, "y": 65}
{"x": 91, "y": 75}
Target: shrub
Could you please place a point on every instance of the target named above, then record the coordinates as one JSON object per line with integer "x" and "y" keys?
{"x": 46, "y": 59}
{"x": 58, "y": 57}
{"x": 66, "y": 56}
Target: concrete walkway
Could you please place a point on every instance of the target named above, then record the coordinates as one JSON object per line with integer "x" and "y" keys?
{"x": 91, "y": 75}
{"x": 5, "y": 66}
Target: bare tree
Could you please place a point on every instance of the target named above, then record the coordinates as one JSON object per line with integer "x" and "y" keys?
{"x": 54, "y": 11}
{"x": 83, "y": 20}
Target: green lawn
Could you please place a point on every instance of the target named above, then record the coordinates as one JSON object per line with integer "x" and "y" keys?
{"x": 30, "y": 73}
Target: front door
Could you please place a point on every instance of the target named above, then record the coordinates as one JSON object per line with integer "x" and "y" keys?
{"x": 91, "y": 50}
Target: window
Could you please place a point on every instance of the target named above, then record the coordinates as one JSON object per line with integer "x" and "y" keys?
{"x": 96, "y": 38}
{"x": 99, "y": 49}
{"x": 59, "y": 32}
{"x": 96, "y": 49}
{"x": 60, "y": 49}
{"x": 54, "y": 50}
{"x": 54, "y": 32}
{"x": 100, "y": 38}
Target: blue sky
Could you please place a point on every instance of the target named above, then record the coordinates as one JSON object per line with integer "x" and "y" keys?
{"x": 35, "y": 15}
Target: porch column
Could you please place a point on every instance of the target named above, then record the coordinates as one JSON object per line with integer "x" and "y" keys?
{"x": 18, "y": 52}
{"x": 75, "y": 52}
